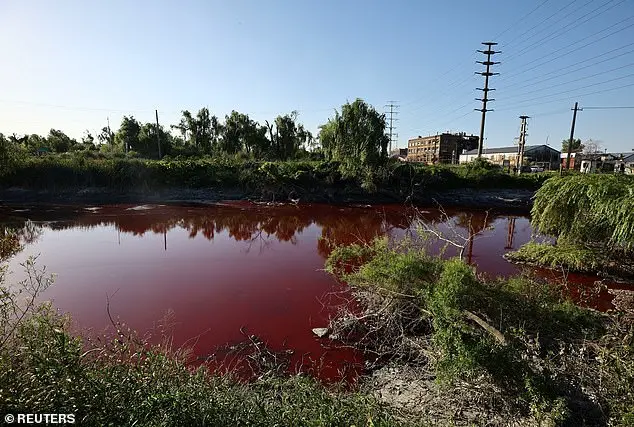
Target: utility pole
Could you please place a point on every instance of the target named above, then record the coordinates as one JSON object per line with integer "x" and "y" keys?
{"x": 158, "y": 135}
{"x": 485, "y": 98}
{"x": 392, "y": 118}
{"x": 522, "y": 144}
{"x": 572, "y": 133}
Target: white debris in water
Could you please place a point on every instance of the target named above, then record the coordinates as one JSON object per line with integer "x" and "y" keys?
{"x": 320, "y": 332}
{"x": 141, "y": 208}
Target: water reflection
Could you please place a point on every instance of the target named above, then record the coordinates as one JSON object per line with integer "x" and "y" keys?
{"x": 252, "y": 223}
{"x": 229, "y": 268}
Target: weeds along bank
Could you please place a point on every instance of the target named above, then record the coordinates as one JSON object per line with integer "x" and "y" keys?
{"x": 506, "y": 352}
{"x": 284, "y": 179}
{"x": 592, "y": 219}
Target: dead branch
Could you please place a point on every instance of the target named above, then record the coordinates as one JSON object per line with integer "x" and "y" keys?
{"x": 490, "y": 329}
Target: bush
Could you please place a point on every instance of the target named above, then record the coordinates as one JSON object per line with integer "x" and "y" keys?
{"x": 521, "y": 335}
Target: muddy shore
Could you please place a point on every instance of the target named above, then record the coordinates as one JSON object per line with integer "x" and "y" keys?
{"x": 507, "y": 199}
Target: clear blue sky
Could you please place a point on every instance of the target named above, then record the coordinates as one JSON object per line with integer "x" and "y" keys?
{"x": 71, "y": 64}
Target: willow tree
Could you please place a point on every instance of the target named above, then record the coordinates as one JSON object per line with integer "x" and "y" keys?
{"x": 287, "y": 136}
{"x": 356, "y": 136}
{"x": 589, "y": 210}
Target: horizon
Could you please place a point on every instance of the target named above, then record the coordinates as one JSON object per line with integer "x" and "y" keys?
{"x": 78, "y": 64}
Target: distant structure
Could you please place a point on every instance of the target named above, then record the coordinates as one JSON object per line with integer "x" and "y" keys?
{"x": 604, "y": 162}
{"x": 541, "y": 155}
{"x": 399, "y": 154}
{"x": 440, "y": 148}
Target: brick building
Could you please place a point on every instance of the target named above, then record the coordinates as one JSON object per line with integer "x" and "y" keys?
{"x": 441, "y": 148}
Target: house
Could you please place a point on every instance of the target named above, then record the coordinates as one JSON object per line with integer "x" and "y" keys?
{"x": 628, "y": 163}
{"x": 604, "y": 162}
{"x": 542, "y": 155}
{"x": 440, "y": 148}
{"x": 575, "y": 160}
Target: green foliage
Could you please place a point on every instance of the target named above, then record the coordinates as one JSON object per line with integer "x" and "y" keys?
{"x": 11, "y": 156}
{"x": 587, "y": 209}
{"x": 507, "y": 330}
{"x": 356, "y": 137}
{"x": 564, "y": 254}
{"x": 59, "y": 141}
{"x": 577, "y": 146}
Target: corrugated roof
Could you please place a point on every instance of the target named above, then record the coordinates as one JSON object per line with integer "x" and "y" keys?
{"x": 502, "y": 150}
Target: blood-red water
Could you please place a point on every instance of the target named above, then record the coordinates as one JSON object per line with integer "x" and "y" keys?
{"x": 215, "y": 277}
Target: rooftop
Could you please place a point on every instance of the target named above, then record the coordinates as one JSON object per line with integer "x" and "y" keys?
{"x": 501, "y": 150}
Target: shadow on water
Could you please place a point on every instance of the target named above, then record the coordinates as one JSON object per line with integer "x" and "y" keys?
{"x": 241, "y": 281}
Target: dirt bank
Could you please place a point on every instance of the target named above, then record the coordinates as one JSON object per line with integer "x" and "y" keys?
{"x": 507, "y": 199}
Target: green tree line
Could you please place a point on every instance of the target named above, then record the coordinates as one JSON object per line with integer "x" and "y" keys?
{"x": 356, "y": 134}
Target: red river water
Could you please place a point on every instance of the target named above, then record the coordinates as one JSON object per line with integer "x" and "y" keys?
{"x": 212, "y": 276}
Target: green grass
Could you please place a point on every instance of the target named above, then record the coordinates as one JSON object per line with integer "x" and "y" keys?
{"x": 563, "y": 255}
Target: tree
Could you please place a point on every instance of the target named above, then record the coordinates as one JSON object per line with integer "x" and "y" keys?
{"x": 147, "y": 146}
{"x": 35, "y": 142}
{"x": 577, "y": 146}
{"x": 106, "y": 136}
{"x": 289, "y": 136}
{"x": 88, "y": 141}
{"x": 241, "y": 133}
{"x": 59, "y": 141}
{"x": 592, "y": 146}
{"x": 128, "y": 134}
{"x": 202, "y": 131}
{"x": 356, "y": 136}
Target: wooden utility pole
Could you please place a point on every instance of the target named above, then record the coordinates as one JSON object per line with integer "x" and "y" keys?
{"x": 572, "y": 133}
{"x": 522, "y": 144}
{"x": 485, "y": 98}
{"x": 158, "y": 135}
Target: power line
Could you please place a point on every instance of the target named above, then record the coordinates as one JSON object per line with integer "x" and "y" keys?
{"x": 570, "y": 81}
{"x": 592, "y": 64}
{"x": 561, "y": 31}
{"x": 461, "y": 65}
{"x": 524, "y": 70}
{"x": 510, "y": 27}
{"x": 582, "y": 87}
{"x": 523, "y": 104}
{"x": 609, "y": 108}
{"x": 541, "y": 22}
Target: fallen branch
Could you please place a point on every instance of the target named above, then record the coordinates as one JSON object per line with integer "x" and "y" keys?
{"x": 490, "y": 329}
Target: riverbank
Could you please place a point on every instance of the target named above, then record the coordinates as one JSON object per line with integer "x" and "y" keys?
{"x": 84, "y": 180}
{"x": 449, "y": 347}
{"x": 517, "y": 200}
{"x": 575, "y": 259}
